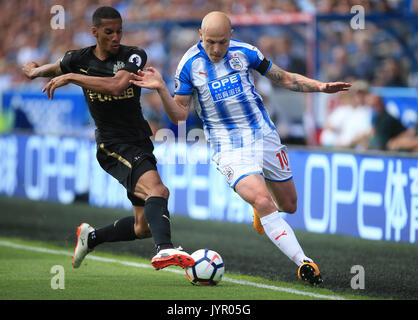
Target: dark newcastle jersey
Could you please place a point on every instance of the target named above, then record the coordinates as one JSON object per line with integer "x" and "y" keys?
{"x": 117, "y": 118}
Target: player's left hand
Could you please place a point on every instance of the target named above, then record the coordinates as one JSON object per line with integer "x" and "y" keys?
{"x": 55, "y": 83}
{"x": 333, "y": 87}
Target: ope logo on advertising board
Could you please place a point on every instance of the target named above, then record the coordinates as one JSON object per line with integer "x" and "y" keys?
{"x": 358, "y": 195}
{"x": 382, "y": 196}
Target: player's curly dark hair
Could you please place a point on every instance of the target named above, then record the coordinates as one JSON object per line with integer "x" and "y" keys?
{"x": 104, "y": 13}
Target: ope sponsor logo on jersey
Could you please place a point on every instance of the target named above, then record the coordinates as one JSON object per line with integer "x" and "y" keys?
{"x": 226, "y": 87}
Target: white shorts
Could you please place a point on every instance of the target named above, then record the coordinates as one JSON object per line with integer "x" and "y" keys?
{"x": 266, "y": 156}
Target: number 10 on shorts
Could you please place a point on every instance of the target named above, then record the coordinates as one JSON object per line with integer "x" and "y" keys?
{"x": 284, "y": 161}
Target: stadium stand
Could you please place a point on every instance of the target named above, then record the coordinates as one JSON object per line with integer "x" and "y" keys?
{"x": 383, "y": 54}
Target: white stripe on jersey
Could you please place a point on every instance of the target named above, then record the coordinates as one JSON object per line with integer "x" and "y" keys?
{"x": 230, "y": 108}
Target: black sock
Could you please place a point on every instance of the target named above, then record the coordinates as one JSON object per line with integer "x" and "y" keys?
{"x": 121, "y": 230}
{"x": 158, "y": 219}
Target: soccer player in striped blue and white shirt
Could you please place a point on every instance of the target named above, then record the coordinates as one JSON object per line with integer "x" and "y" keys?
{"x": 246, "y": 147}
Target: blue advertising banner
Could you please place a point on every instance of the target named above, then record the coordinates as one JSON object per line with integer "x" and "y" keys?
{"x": 366, "y": 196}
{"x": 360, "y": 195}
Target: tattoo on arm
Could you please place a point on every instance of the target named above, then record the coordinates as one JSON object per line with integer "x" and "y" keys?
{"x": 296, "y": 85}
{"x": 292, "y": 81}
{"x": 276, "y": 74}
{"x": 303, "y": 84}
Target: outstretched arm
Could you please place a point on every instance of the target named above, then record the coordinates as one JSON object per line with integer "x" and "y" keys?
{"x": 297, "y": 82}
{"x": 177, "y": 107}
{"x": 108, "y": 85}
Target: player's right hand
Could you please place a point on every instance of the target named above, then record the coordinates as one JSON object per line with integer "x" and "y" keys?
{"x": 28, "y": 69}
{"x": 151, "y": 79}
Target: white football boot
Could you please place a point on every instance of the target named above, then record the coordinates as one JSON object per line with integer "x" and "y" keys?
{"x": 81, "y": 248}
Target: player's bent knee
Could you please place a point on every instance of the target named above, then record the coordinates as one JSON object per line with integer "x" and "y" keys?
{"x": 144, "y": 235}
{"x": 160, "y": 191}
{"x": 142, "y": 232}
{"x": 263, "y": 204}
{"x": 290, "y": 207}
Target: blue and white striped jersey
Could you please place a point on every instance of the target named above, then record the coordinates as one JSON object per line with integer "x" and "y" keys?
{"x": 229, "y": 105}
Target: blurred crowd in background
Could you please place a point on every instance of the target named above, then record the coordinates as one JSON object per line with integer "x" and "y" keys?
{"x": 380, "y": 56}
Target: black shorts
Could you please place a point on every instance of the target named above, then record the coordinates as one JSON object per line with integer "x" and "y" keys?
{"x": 127, "y": 163}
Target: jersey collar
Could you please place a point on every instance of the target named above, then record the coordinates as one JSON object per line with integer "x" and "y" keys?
{"x": 108, "y": 58}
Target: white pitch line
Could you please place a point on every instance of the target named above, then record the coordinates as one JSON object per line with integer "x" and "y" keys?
{"x": 145, "y": 266}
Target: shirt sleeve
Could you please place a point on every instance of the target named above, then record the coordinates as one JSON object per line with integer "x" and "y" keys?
{"x": 135, "y": 60}
{"x": 67, "y": 62}
{"x": 182, "y": 82}
{"x": 258, "y": 61}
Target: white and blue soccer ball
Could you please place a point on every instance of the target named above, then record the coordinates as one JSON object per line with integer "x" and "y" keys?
{"x": 208, "y": 269}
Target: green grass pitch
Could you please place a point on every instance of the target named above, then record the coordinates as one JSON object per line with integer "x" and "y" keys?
{"x": 255, "y": 268}
{"x": 27, "y": 272}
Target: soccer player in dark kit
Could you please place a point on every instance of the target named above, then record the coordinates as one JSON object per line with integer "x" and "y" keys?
{"x": 124, "y": 148}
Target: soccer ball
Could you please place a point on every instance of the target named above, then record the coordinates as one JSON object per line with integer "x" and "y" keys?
{"x": 208, "y": 269}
